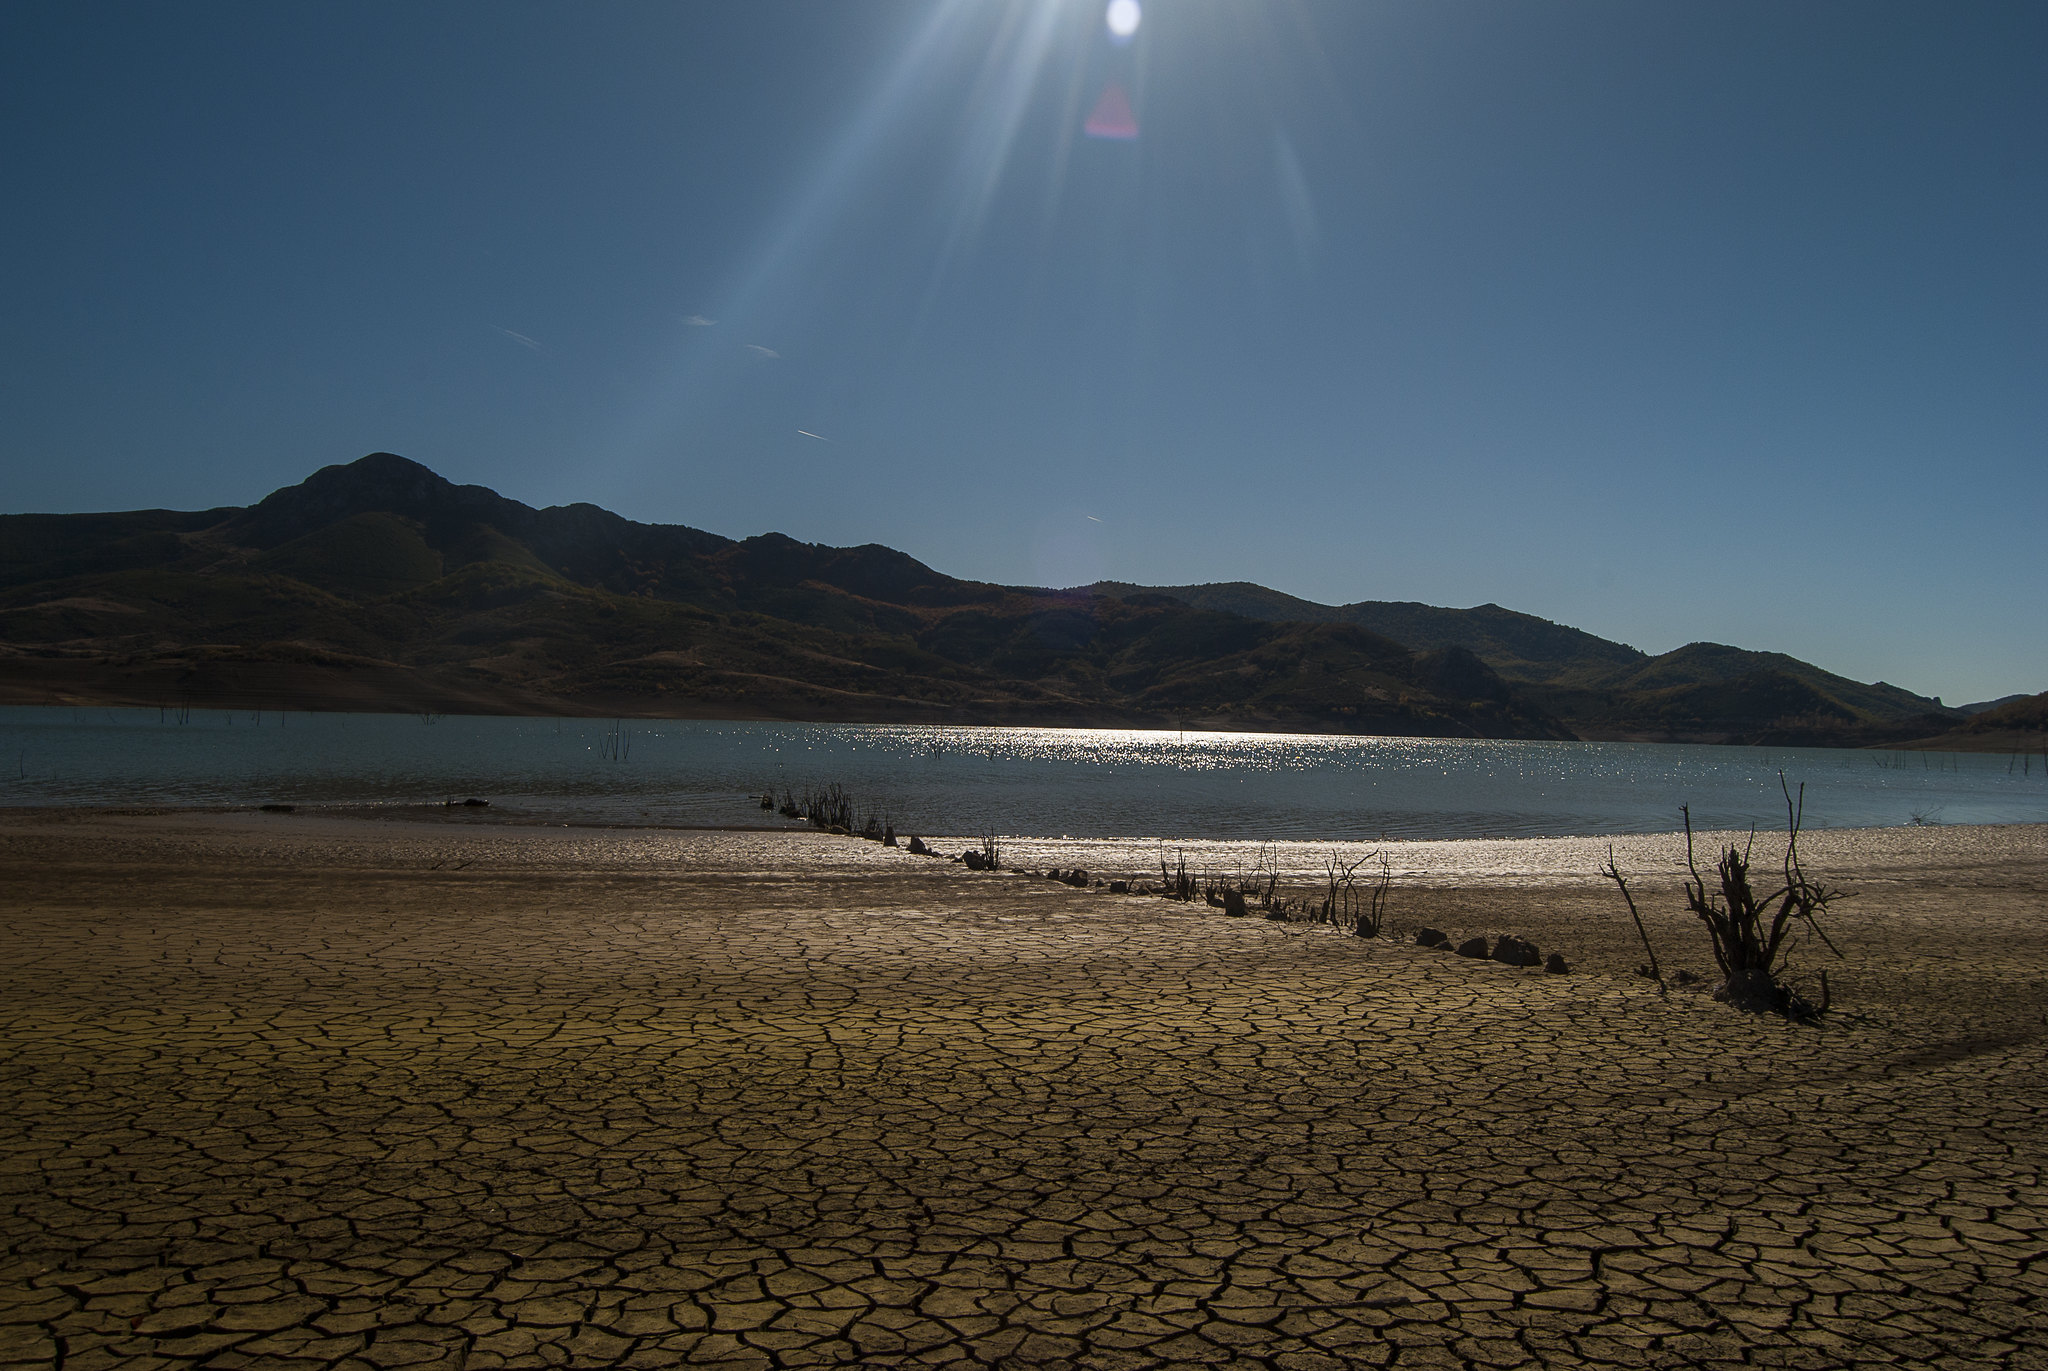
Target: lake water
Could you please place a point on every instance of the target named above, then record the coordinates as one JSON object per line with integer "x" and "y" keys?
{"x": 1084, "y": 783}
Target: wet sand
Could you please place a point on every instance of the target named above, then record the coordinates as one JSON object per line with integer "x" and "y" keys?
{"x": 285, "y": 1091}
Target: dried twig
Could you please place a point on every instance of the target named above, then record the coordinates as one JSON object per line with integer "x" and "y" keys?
{"x": 1613, "y": 873}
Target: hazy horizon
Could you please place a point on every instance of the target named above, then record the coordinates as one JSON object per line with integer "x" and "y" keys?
{"x": 1688, "y": 323}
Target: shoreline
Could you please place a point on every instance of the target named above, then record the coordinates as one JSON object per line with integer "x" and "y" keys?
{"x": 439, "y": 815}
{"x": 1886, "y": 853}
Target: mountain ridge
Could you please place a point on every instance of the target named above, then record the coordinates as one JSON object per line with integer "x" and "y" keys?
{"x": 1601, "y": 687}
{"x": 1494, "y": 632}
{"x": 380, "y": 584}
{"x": 380, "y": 579}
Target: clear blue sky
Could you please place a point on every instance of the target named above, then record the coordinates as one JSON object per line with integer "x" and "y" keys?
{"x": 1670, "y": 321}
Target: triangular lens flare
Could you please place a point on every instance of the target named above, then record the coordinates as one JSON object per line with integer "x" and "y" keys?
{"x": 1112, "y": 117}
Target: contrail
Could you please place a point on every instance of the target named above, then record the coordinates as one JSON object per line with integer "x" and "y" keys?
{"x": 819, "y": 436}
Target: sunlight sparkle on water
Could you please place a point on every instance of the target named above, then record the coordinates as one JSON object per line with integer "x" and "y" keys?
{"x": 1128, "y": 785}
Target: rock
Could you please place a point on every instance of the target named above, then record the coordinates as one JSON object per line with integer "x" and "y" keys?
{"x": 917, "y": 847}
{"x": 1233, "y": 904}
{"x": 1119, "y": 887}
{"x": 1472, "y": 947}
{"x": 974, "y": 860}
{"x": 1431, "y": 937}
{"x": 888, "y": 837}
{"x": 1513, "y": 951}
{"x": 1685, "y": 978}
{"x": 1557, "y": 966}
{"x": 1077, "y": 878}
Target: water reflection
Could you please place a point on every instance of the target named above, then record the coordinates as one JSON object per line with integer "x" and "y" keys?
{"x": 1083, "y": 783}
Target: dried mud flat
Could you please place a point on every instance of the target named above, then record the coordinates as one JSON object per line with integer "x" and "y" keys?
{"x": 296, "y": 1093}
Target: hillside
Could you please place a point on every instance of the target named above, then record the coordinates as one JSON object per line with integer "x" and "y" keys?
{"x": 379, "y": 585}
{"x": 1702, "y": 692}
{"x": 1985, "y": 706}
{"x": 1520, "y": 646}
{"x": 2018, "y": 723}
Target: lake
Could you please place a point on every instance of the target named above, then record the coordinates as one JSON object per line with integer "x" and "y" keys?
{"x": 1084, "y": 783}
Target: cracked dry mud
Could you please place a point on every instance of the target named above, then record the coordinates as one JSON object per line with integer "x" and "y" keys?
{"x": 306, "y": 1095}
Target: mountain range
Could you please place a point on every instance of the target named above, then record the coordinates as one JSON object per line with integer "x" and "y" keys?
{"x": 380, "y": 585}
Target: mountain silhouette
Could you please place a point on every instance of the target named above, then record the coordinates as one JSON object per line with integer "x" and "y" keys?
{"x": 379, "y": 584}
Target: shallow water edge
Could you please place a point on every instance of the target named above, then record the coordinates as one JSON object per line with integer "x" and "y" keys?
{"x": 1072, "y": 783}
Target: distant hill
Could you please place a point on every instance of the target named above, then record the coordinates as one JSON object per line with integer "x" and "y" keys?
{"x": 2018, "y": 723}
{"x": 1708, "y": 688}
{"x": 1702, "y": 692}
{"x": 1518, "y": 645}
{"x": 1985, "y": 706}
{"x": 380, "y": 585}
{"x": 2016, "y": 713}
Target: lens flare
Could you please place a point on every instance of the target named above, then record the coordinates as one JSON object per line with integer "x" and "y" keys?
{"x": 1112, "y": 117}
{"x": 1123, "y": 18}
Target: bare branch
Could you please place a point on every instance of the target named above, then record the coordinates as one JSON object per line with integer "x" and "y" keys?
{"x": 1613, "y": 873}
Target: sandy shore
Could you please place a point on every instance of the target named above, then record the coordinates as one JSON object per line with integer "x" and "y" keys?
{"x": 283, "y": 1091}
